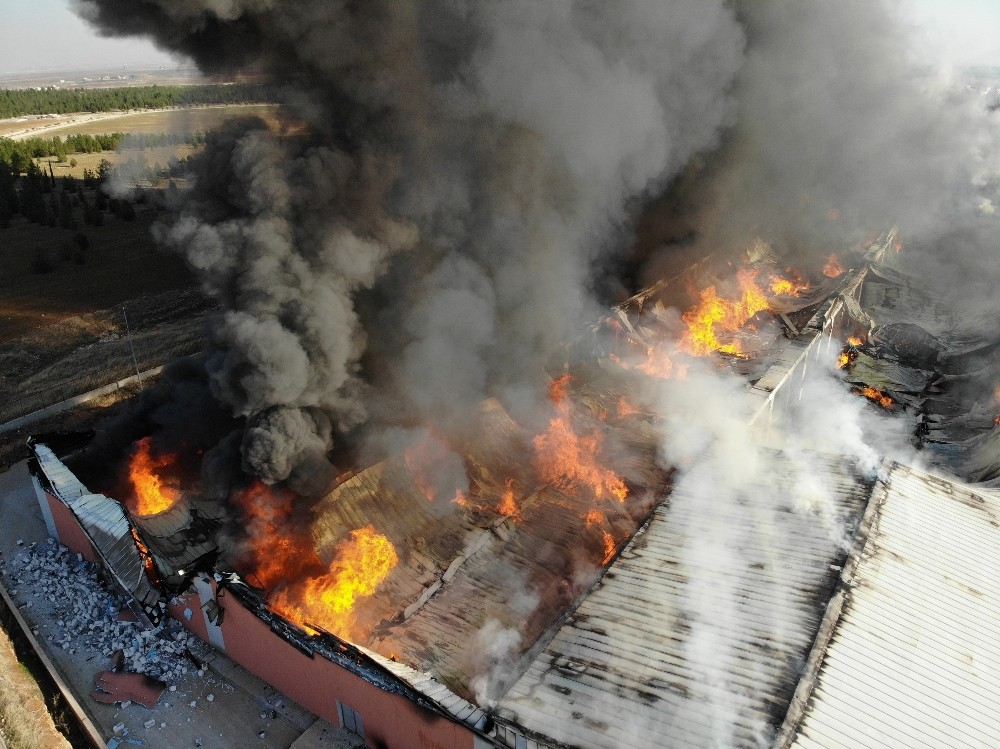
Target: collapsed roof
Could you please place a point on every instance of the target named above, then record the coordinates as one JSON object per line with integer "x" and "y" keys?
{"x": 614, "y": 650}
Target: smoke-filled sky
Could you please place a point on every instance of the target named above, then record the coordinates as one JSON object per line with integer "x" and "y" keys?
{"x": 47, "y": 35}
{"x": 469, "y": 188}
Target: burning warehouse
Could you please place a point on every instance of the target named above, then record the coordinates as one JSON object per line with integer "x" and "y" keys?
{"x": 425, "y": 483}
{"x": 563, "y": 604}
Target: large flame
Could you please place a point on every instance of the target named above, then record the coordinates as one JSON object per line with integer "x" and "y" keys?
{"x": 282, "y": 559}
{"x": 151, "y": 494}
{"x": 714, "y": 316}
{"x": 657, "y": 364}
{"x": 569, "y": 460}
{"x": 508, "y": 503}
{"x": 360, "y": 564}
{"x": 595, "y": 518}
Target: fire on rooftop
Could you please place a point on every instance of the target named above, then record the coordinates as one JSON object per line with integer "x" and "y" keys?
{"x": 516, "y": 585}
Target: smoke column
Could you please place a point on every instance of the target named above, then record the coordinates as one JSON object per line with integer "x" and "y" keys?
{"x": 471, "y": 168}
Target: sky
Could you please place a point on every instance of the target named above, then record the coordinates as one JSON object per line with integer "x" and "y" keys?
{"x": 958, "y": 32}
{"x": 40, "y": 35}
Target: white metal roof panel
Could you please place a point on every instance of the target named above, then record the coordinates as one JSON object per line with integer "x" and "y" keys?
{"x": 105, "y": 523}
{"x": 914, "y": 660}
{"x": 425, "y": 684}
{"x": 696, "y": 634}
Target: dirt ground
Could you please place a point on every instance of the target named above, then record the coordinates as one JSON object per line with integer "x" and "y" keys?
{"x": 174, "y": 120}
{"x": 218, "y": 706}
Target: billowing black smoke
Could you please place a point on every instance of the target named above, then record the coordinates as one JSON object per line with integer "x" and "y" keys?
{"x": 471, "y": 171}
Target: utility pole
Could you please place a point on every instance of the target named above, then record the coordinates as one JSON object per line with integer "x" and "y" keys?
{"x": 128, "y": 334}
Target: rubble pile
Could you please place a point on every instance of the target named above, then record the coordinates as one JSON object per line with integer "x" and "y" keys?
{"x": 84, "y": 615}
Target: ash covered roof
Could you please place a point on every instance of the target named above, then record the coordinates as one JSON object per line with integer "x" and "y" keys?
{"x": 914, "y": 656}
{"x": 632, "y": 665}
{"x": 468, "y": 573}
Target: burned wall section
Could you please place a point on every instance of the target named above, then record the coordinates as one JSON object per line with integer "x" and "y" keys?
{"x": 325, "y": 674}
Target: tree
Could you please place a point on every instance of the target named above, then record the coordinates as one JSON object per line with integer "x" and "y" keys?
{"x": 104, "y": 170}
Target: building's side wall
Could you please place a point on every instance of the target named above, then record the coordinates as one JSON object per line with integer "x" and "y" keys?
{"x": 178, "y": 609}
{"x": 68, "y": 530}
{"x": 390, "y": 721}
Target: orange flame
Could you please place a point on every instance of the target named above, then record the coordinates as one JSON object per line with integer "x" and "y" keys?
{"x": 359, "y": 566}
{"x": 147, "y": 557}
{"x": 508, "y": 507}
{"x": 151, "y": 495}
{"x": 876, "y": 396}
{"x": 568, "y": 460}
{"x": 713, "y": 316}
{"x": 833, "y": 267}
{"x": 435, "y": 469}
{"x": 282, "y": 558}
{"x": 657, "y": 364}
{"x": 593, "y": 518}
{"x": 854, "y": 341}
{"x": 844, "y": 360}
{"x": 625, "y": 408}
{"x": 609, "y": 547}
{"x": 788, "y": 286}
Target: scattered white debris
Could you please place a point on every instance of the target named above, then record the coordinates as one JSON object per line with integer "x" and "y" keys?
{"x": 84, "y": 615}
{"x": 149, "y": 723}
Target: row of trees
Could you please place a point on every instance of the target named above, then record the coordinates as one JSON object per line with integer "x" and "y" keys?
{"x": 48, "y": 201}
{"x": 20, "y": 102}
{"x": 17, "y": 154}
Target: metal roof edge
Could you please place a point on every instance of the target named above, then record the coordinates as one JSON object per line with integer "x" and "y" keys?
{"x": 810, "y": 672}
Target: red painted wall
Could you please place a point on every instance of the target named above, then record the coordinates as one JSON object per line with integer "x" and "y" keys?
{"x": 197, "y": 623}
{"x": 391, "y": 721}
{"x": 68, "y": 527}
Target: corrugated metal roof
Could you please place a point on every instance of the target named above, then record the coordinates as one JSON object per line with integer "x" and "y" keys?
{"x": 178, "y": 538}
{"x": 463, "y": 570}
{"x": 696, "y": 634}
{"x": 433, "y": 690}
{"x": 63, "y": 481}
{"x": 914, "y": 660}
{"x": 105, "y": 522}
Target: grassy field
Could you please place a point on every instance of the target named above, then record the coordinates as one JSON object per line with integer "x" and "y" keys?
{"x": 25, "y": 721}
{"x": 151, "y": 156}
{"x": 84, "y": 352}
{"x": 121, "y": 263}
{"x": 178, "y": 120}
